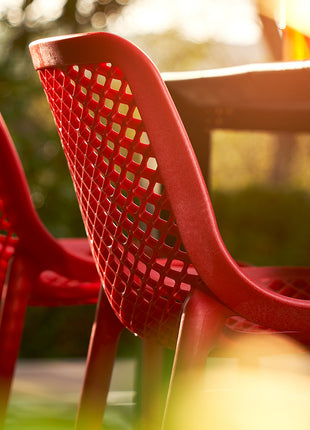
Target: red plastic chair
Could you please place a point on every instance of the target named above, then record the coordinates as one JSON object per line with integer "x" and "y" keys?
{"x": 147, "y": 211}
{"x": 35, "y": 269}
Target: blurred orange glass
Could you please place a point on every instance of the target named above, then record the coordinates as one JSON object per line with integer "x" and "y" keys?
{"x": 292, "y": 18}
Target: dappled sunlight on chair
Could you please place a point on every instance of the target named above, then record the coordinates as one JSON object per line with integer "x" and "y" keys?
{"x": 165, "y": 269}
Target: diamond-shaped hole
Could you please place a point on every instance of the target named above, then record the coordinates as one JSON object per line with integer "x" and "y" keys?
{"x": 164, "y": 214}
{"x": 123, "y": 109}
{"x": 182, "y": 248}
{"x": 130, "y": 176}
{"x": 136, "y": 114}
{"x": 144, "y": 138}
{"x": 116, "y": 84}
{"x": 170, "y": 240}
{"x": 88, "y": 74}
{"x": 152, "y": 163}
{"x": 130, "y": 133}
{"x": 101, "y": 80}
{"x": 142, "y": 226}
{"x": 116, "y": 127}
{"x": 158, "y": 188}
{"x": 123, "y": 151}
{"x": 142, "y": 267}
{"x": 103, "y": 120}
{"x": 109, "y": 103}
{"x": 111, "y": 144}
{"x": 136, "y": 201}
{"x": 128, "y": 90}
{"x": 155, "y": 233}
{"x": 169, "y": 281}
{"x": 99, "y": 136}
{"x": 130, "y": 218}
{"x": 137, "y": 157}
{"x": 124, "y": 193}
{"x": 150, "y": 208}
{"x": 144, "y": 183}
{"x": 117, "y": 168}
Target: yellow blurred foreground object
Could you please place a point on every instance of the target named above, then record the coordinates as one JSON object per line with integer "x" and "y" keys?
{"x": 273, "y": 395}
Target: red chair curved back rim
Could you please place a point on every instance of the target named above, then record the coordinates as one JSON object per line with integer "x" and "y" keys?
{"x": 187, "y": 191}
{"x": 35, "y": 268}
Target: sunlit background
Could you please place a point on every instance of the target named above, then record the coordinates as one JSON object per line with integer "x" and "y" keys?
{"x": 178, "y": 35}
{"x": 262, "y": 200}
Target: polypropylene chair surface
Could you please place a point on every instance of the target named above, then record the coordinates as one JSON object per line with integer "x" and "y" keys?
{"x": 142, "y": 195}
{"x": 22, "y": 229}
{"x": 136, "y": 244}
{"x": 35, "y": 268}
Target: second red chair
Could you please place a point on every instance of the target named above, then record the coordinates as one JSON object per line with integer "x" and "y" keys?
{"x": 35, "y": 268}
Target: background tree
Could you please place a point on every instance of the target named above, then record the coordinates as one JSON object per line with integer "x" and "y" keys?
{"x": 23, "y": 104}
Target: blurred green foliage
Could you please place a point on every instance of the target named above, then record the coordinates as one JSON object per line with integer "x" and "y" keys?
{"x": 64, "y": 332}
{"x": 265, "y": 225}
{"x": 24, "y": 106}
{"x": 259, "y": 224}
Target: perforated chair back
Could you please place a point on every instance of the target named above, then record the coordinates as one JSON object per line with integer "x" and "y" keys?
{"x": 144, "y": 202}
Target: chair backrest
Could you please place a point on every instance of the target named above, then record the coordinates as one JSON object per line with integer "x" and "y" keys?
{"x": 144, "y": 202}
{"x": 20, "y": 226}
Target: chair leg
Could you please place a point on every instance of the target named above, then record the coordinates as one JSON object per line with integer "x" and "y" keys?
{"x": 101, "y": 356}
{"x": 152, "y": 385}
{"x": 202, "y": 322}
{"x": 14, "y": 301}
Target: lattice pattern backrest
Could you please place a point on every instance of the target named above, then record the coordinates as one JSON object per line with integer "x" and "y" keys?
{"x": 125, "y": 208}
